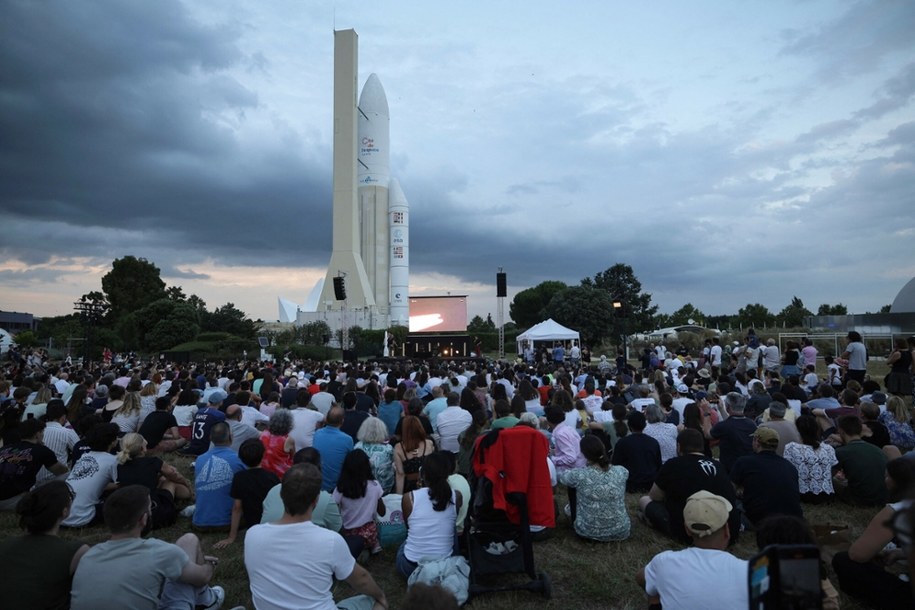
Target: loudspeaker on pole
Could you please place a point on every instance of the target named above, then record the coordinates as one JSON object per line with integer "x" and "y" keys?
{"x": 339, "y": 289}
{"x": 501, "y": 288}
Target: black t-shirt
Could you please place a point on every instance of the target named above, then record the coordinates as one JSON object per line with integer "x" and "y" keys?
{"x": 684, "y": 475}
{"x": 352, "y": 419}
{"x": 427, "y": 426}
{"x": 155, "y": 426}
{"x": 251, "y": 487}
{"x": 81, "y": 447}
{"x": 770, "y": 485}
{"x": 39, "y": 565}
{"x": 140, "y": 471}
{"x": 641, "y": 455}
{"x": 734, "y": 439}
{"x": 19, "y": 466}
{"x": 288, "y": 397}
{"x": 880, "y": 436}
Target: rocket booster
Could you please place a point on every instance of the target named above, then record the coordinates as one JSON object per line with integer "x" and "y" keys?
{"x": 400, "y": 254}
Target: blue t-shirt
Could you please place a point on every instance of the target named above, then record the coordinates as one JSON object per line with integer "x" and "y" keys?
{"x": 389, "y": 413}
{"x": 333, "y": 445}
{"x": 213, "y": 475}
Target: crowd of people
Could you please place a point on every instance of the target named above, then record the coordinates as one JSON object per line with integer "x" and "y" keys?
{"x": 298, "y": 455}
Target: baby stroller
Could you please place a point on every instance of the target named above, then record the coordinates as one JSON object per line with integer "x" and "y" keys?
{"x": 510, "y": 489}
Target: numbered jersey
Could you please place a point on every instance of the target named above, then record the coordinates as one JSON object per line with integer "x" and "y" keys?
{"x": 200, "y": 429}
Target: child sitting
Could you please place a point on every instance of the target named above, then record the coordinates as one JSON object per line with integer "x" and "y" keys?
{"x": 249, "y": 488}
{"x": 359, "y": 495}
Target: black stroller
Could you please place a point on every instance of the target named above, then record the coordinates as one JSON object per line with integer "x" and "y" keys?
{"x": 510, "y": 484}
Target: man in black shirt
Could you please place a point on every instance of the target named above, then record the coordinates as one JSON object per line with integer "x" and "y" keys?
{"x": 639, "y": 453}
{"x": 681, "y": 477}
{"x": 769, "y": 481}
{"x": 733, "y": 432}
{"x": 160, "y": 429}
{"x": 21, "y": 461}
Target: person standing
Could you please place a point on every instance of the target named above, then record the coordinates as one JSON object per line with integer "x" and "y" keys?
{"x": 856, "y": 355}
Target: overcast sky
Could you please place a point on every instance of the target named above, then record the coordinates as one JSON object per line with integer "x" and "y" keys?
{"x": 731, "y": 152}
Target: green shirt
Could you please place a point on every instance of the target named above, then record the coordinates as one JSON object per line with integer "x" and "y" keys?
{"x": 39, "y": 565}
{"x": 509, "y": 421}
{"x": 864, "y": 466}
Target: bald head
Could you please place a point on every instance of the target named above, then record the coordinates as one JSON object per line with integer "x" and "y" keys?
{"x": 335, "y": 417}
{"x": 233, "y": 411}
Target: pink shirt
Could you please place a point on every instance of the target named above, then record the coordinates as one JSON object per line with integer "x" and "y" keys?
{"x": 567, "y": 454}
{"x": 356, "y": 512}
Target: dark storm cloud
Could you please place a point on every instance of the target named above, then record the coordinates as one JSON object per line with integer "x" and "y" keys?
{"x": 115, "y": 123}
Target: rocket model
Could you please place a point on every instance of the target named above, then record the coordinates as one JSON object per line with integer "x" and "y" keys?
{"x": 370, "y": 213}
{"x": 385, "y": 222}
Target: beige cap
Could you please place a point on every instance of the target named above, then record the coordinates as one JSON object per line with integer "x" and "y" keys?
{"x": 705, "y": 513}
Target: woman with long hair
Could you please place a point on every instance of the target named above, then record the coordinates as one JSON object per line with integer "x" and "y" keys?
{"x": 899, "y": 379}
{"x": 148, "y": 396}
{"x": 814, "y": 461}
{"x": 164, "y": 482}
{"x": 530, "y": 396}
{"x": 38, "y": 567}
{"x": 39, "y": 405}
{"x": 410, "y": 454}
{"x": 692, "y": 418}
{"x": 790, "y": 359}
{"x": 279, "y": 446}
{"x": 430, "y": 513}
{"x": 76, "y": 406}
{"x": 467, "y": 441}
{"x": 358, "y": 495}
{"x": 116, "y": 395}
{"x": 597, "y": 495}
{"x": 127, "y": 417}
{"x": 184, "y": 411}
{"x": 469, "y": 400}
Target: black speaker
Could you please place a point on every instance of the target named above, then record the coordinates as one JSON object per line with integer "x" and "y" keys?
{"x": 339, "y": 289}
{"x": 501, "y": 289}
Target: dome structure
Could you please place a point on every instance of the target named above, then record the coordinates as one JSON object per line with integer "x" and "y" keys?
{"x": 905, "y": 300}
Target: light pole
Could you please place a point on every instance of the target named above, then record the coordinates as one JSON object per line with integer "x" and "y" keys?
{"x": 619, "y": 312}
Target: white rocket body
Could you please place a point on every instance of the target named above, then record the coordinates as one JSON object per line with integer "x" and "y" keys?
{"x": 374, "y": 174}
{"x": 400, "y": 255}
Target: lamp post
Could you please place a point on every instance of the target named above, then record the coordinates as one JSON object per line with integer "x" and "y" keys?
{"x": 619, "y": 312}
{"x": 91, "y": 312}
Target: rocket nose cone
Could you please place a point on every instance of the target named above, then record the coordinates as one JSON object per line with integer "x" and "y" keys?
{"x": 372, "y": 98}
{"x": 395, "y": 193}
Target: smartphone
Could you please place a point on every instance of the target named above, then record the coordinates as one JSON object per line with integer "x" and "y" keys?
{"x": 786, "y": 577}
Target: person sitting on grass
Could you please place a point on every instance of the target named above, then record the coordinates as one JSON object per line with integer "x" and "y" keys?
{"x": 94, "y": 474}
{"x": 769, "y": 482}
{"x": 358, "y": 495}
{"x": 164, "y": 482}
{"x": 597, "y": 495}
{"x": 326, "y": 513}
{"x": 20, "y": 462}
{"x": 305, "y": 578}
{"x": 862, "y": 465}
{"x": 160, "y": 429}
{"x": 639, "y": 453}
{"x": 213, "y": 474}
{"x": 681, "y": 477}
{"x": 40, "y": 563}
{"x": 249, "y": 488}
{"x": 861, "y": 570}
{"x": 430, "y": 513}
{"x": 705, "y": 574}
{"x": 129, "y": 571}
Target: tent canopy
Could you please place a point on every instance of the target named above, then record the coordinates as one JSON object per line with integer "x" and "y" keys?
{"x": 548, "y": 330}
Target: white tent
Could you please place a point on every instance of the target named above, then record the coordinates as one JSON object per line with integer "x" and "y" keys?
{"x": 548, "y": 330}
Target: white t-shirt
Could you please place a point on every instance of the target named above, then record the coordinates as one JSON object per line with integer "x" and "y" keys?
{"x": 90, "y": 474}
{"x": 857, "y": 356}
{"x": 306, "y": 578}
{"x": 323, "y": 401}
{"x": 184, "y": 414}
{"x": 716, "y": 355}
{"x": 251, "y": 416}
{"x": 449, "y": 425}
{"x": 304, "y": 423}
{"x": 696, "y": 579}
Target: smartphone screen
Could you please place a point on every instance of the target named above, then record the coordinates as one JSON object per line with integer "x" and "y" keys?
{"x": 786, "y": 577}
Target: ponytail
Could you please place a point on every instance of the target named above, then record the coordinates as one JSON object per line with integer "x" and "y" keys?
{"x": 131, "y": 446}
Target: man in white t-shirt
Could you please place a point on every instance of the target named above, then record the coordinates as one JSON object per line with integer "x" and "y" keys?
{"x": 306, "y": 579}
{"x": 704, "y": 575}
{"x": 451, "y": 422}
{"x": 716, "y": 353}
{"x": 772, "y": 359}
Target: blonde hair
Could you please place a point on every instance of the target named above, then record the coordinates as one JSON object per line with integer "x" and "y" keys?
{"x": 132, "y": 445}
{"x": 895, "y": 405}
{"x": 130, "y": 406}
{"x": 150, "y": 389}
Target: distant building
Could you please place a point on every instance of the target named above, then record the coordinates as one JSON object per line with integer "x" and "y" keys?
{"x": 900, "y": 319}
{"x": 16, "y": 322}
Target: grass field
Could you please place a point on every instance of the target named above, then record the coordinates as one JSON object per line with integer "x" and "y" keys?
{"x": 584, "y": 575}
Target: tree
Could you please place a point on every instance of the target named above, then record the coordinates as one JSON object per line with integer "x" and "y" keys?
{"x": 315, "y": 333}
{"x": 132, "y": 284}
{"x": 529, "y": 306}
{"x": 620, "y": 282}
{"x": 755, "y": 315}
{"x": 162, "y": 325}
{"x": 26, "y": 338}
{"x": 832, "y": 310}
{"x": 685, "y": 314}
{"x": 794, "y": 314}
{"x": 585, "y": 309}
{"x": 176, "y": 293}
{"x": 230, "y": 319}
{"x": 477, "y": 325}
{"x": 886, "y": 308}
